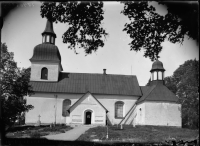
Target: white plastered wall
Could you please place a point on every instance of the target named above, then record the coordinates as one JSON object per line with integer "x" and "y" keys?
{"x": 53, "y": 71}
{"x": 88, "y": 103}
{"x": 44, "y": 105}
{"x": 139, "y": 115}
{"x": 109, "y": 101}
{"x": 159, "y": 114}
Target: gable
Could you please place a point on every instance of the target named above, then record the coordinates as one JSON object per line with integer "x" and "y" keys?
{"x": 87, "y": 99}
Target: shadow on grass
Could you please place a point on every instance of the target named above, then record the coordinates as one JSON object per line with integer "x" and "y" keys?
{"x": 46, "y": 142}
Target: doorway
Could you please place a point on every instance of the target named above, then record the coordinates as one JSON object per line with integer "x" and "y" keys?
{"x": 88, "y": 117}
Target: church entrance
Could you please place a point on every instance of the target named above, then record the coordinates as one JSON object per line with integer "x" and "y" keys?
{"x": 88, "y": 117}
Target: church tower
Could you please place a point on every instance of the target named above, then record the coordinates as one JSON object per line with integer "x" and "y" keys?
{"x": 157, "y": 73}
{"x": 46, "y": 60}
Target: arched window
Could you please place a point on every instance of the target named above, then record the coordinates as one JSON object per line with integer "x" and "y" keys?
{"x": 44, "y": 73}
{"x": 155, "y": 75}
{"x": 151, "y": 76}
{"x": 43, "y": 39}
{"x": 66, "y": 106}
{"x": 52, "y": 40}
{"x": 159, "y": 75}
{"x": 119, "y": 109}
{"x": 47, "y": 38}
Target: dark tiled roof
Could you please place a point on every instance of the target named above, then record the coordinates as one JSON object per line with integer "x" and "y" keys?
{"x": 46, "y": 52}
{"x": 94, "y": 83}
{"x": 157, "y": 92}
{"x": 144, "y": 89}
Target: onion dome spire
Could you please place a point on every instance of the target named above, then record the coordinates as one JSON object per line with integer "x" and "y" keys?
{"x": 47, "y": 51}
{"x": 157, "y": 65}
{"x": 157, "y": 73}
{"x": 48, "y": 36}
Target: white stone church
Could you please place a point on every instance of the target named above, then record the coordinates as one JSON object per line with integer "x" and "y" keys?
{"x": 88, "y": 98}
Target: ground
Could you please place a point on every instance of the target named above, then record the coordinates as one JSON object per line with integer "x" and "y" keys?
{"x": 36, "y": 132}
{"x": 139, "y": 134}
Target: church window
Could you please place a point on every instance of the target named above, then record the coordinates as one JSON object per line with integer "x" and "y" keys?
{"x": 44, "y": 73}
{"x": 151, "y": 76}
{"x": 43, "y": 39}
{"x": 119, "y": 105}
{"x": 159, "y": 75}
{"x": 66, "y": 106}
{"x": 52, "y": 40}
{"x": 47, "y": 40}
{"x": 155, "y": 75}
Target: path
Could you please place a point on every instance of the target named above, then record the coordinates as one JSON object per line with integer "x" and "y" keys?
{"x": 70, "y": 135}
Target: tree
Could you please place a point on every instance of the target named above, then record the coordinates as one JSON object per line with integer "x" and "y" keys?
{"x": 84, "y": 20}
{"x": 14, "y": 86}
{"x": 147, "y": 28}
{"x": 185, "y": 84}
{"x": 170, "y": 83}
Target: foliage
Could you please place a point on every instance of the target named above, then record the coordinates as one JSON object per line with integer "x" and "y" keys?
{"x": 37, "y": 134}
{"x": 84, "y": 20}
{"x": 57, "y": 128}
{"x": 169, "y": 82}
{"x": 185, "y": 84}
{"x": 36, "y": 131}
{"x": 14, "y": 86}
{"x": 148, "y": 29}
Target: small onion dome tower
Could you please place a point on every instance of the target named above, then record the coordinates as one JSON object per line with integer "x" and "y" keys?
{"x": 157, "y": 73}
{"x": 48, "y": 36}
{"x": 46, "y": 60}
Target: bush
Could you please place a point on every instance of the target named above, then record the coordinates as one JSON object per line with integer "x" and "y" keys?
{"x": 35, "y": 135}
{"x": 44, "y": 133}
{"x": 62, "y": 131}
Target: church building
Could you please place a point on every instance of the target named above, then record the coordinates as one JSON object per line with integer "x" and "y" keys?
{"x": 93, "y": 98}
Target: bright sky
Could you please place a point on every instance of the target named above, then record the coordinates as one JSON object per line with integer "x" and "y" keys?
{"x": 22, "y": 32}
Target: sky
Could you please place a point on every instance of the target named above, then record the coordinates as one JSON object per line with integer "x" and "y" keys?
{"x": 22, "y": 32}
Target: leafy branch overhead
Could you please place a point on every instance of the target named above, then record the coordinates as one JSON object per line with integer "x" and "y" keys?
{"x": 148, "y": 29}
{"x": 84, "y": 20}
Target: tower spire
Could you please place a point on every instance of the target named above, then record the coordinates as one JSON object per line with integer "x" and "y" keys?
{"x": 157, "y": 73}
{"x": 48, "y": 36}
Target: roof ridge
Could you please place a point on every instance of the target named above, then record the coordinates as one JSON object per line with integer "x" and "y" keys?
{"x": 148, "y": 93}
{"x": 151, "y": 90}
{"x": 98, "y": 74}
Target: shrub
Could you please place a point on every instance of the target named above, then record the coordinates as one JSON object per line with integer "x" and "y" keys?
{"x": 44, "y": 133}
{"x": 27, "y": 132}
{"x": 62, "y": 131}
{"x": 35, "y": 135}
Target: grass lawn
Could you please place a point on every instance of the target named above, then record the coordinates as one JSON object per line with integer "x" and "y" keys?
{"x": 36, "y": 132}
{"x": 138, "y": 134}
